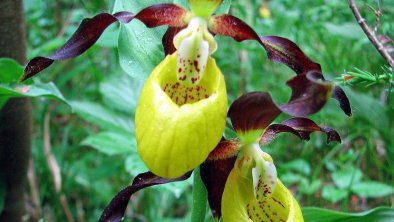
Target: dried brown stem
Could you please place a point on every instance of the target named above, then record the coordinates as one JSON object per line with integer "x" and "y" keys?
{"x": 55, "y": 169}
{"x": 36, "y": 212}
{"x": 242, "y": 74}
{"x": 370, "y": 34}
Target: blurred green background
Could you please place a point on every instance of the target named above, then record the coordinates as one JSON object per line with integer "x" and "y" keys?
{"x": 92, "y": 138}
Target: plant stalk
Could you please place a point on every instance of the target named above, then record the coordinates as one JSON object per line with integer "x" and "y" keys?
{"x": 199, "y": 208}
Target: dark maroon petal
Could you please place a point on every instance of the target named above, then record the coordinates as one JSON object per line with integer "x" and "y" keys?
{"x": 90, "y": 31}
{"x": 257, "y": 110}
{"x": 228, "y": 25}
{"x": 86, "y": 35}
{"x": 163, "y": 14}
{"x": 310, "y": 93}
{"x": 168, "y": 39}
{"x": 215, "y": 170}
{"x": 341, "y": 97}
{"x": 252, "y": 111}
{"x": 116, "y": 208}
{"x": 306, "y": 126}
{"x": 278, "y": 49}
{"x": 273, "y": 130}
{"x": 225, "y": 149}
{"x": 287, "y": 52}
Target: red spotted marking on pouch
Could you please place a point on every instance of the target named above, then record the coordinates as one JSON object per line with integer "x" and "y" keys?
{"x": 181, "y": 94}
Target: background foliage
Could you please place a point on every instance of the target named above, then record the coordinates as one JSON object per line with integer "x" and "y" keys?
{"x": 88, "y": 130}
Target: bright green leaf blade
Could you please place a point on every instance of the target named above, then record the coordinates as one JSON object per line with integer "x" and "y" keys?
{"x": 48, "y": 90}
{"x": 140, "y": 48}
{"x": 134, "y": 165}
{"x": 121, "y": 93}
{"x": 380, "y": 214}
{"x": 349, "y": 30}
{"x": 333, "y": 194}
{"x": 10, "y": 71}
{"x": 372, "y": 189}
{"x": 224, "y": 8}
{"x": 346, "y": 177}
{"x": 111, "y": 143}
{"x": 99, "y": 115}
{"x": 370, "y": 109}
{"x": 298, "y": 165}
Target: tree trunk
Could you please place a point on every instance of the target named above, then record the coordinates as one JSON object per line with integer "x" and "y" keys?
{"x": 15, "y": 116}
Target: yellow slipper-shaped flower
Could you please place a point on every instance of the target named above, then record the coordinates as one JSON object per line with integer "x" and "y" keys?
{"x": 253, "y": 192}
{"x": 177, "y": 125}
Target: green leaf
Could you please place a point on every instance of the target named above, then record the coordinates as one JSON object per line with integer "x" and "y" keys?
{"x": 107, "y": 39}
{"x": 311, "y": 188}
{"x": 3, "y": 101}
{"x": 121, "y": 93}
{"x": 298, "y": 165}
{"x": 349, "y": 30}
{"x": 370, "y": 109}
{"x": 224, "y": 7}
{"x": 134, "y": 165}
{"x": 48, "y": 90}
{"x": 10, "y": 71}
{"x": 380, "y": 214}
{"x": 103, "y": 117}
{"x": 111, "y": 143}
{"x": 372, "y": 189}
{"x": 346, "y": 177}
{"x": 333, "y": 194}
{"x": 139, "y": 47}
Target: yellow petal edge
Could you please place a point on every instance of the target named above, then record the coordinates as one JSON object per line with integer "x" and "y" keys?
{"x": 173, "y": 139}
{"x": 240, "y": 205}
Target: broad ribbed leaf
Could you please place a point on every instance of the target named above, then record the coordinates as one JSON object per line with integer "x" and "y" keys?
{"x": 115, "y": 210}
{"x": 47, "y": 90}
{"x": 380, "y": 214}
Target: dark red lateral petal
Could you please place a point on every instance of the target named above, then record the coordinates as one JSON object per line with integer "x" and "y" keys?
{"x": 252, "y": 111}
{"x": 215, "y": 170}
{"x": 310, "y": 93}
{"x": 90, "y": 31}
{"x": 306, "y": 126}
{"x": 284, "y": 51}
{"x": 168, "y": 39}
{"x": 86, "y": 35}
{"x": 163, "y": 14}
{"x": 257, "y": 110}
{"x": 116, "y": 208}
{"x": 278, "y": 49}
{"x": 228, "y": 25}
{"x": 339, "y": 95}
{"x": 273, "y": 130}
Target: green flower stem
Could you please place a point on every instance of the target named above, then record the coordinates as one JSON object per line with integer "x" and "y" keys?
{"x": 199, "y": 208}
